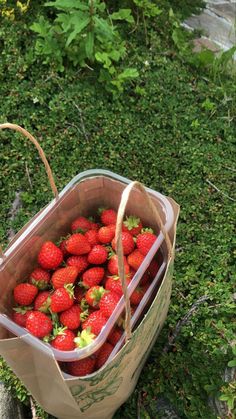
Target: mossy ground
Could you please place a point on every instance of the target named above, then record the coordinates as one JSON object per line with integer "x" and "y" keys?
{"x": 176, "y": 133}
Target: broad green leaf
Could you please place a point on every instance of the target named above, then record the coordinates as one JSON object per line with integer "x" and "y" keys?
{"x": 42, "y": 27}
{"x": 232, "y": 363}
{"x": 67, "y": 4}
{"x": 123, "y": 14}
{"x": 89, "y": 44}
{"x": 129, "y": 73}
{"x": 104, "y": 28}
{"x": 65, "y": 20}
{"x": 78, "y": 28}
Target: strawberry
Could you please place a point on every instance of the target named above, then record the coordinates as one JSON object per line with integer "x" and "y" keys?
{"x": 95, "y": 322}
{"x": 114, "y": 284}
{"x": 82, "y": 367}
{"x": 97, "y": 255}
{"x": 127, "y": 242}
{"x": 39, "y": 324}
{"x": 115, "y": 335}
{"x": 135, "y": 259}
{"x": 64, "y": 276}
{"x": 103, "y": 354}
{"x": 108, "y": 216}
{"x": 138, "y": 294}
{"x": 24, "y": 294}
{"x": 93, "y": 276}
{"x": 42, "y": 301}
{"x": 62, "y": 299}
{"x": 71, "y": 317}
{"x": 40, "y": 278}
{"x": 62, "y": 247}
{"x": 133, "y": 225}
{"x": 81, "y": 223}
{"x": 145, "y": 241}
{"x": 108, "y": 303}
{"x": 79, "y": 293}
{"x": 64, "y": 340}
{"x": 153, "y": 268}
{"x": 81, "y": 262}
{"x": 94, "y": 226}
{"x": 50, "y": 256}
{"x": 106, "y": 233}
{"x": 145, "y": 278}
{"x": 112, "y": 265}
{"x": 77, "y": 244}
{"x": 20, "y": 315}
{"x": 92, "y": 237}
{"x": 93, "y": 295}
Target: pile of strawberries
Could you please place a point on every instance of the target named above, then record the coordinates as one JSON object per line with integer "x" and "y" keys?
{"x": 70, "y": 295}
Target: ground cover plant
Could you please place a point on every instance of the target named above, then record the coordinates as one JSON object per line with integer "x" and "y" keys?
{"x": 173, "y": 128}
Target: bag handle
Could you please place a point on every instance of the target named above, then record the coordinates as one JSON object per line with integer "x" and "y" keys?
{"x": 42, "y": 156}
{"x": 120, "y": 216}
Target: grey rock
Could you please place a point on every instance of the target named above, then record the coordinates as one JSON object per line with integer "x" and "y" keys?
{"x": 10, "y": 408}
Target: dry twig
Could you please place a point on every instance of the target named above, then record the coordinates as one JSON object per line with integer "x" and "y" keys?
{"x": 218, "y": 190}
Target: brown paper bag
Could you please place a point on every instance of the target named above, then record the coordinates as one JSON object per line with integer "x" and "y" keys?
{"x": 100, "y": 394}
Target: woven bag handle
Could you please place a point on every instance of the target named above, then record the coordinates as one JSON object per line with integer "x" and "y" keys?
{"x": 120, "y": 216}
{"x": 42, "y": 156}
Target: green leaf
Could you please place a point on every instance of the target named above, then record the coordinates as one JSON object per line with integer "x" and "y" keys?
{"x": 103, "y": 28}
{"x": 42, "y": 27}
{"x": 129, "y": 73}
{"x": 232, "y": 363}
{"x": 123, "y": 14}
{"x": 67, "y": 4}
{"x": 89, "y": 44}
{"x": 78, "y": 29}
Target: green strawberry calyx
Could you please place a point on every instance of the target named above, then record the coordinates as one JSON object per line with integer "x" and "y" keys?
{"x": 131, "y": 222}
{"x": 84, "y": 338}
{"x": 97, "y": 294}
{"x": 41, "y": 285}
{"x": 147, "y": 230}
{"x": 22, "y": 309}
{"x": 70, "y": 289}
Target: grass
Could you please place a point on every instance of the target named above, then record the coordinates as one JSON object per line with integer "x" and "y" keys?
{"x": 175, "y": 132}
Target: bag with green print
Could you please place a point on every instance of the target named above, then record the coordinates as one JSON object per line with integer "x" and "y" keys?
{"x": 100, "y": 394}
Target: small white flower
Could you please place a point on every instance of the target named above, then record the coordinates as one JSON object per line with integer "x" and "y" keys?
{"x": 146, "y": 63}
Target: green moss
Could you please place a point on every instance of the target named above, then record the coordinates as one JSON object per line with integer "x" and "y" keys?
{"x": 164, "y": 133}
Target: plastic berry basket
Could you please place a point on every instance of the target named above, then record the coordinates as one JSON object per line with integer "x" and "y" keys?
{"x": 82, "y": 196}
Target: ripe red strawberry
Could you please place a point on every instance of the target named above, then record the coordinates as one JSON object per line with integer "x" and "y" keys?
{"x": 94, "y": 295}
{"x": 71, "y": 317}
{"x": 145, "y": 278}
{"x": 95, "y": 322}
{"x": 64, "y": 341}
{"x": 153, "y": 268}
{"x": 77, "y": 244}
{"x": 92, "y": 237}
{"x": 20, "y": 315}
{"x": 40, "y": 278}
{"x": 79, "y": 293}
{"x": 94, "y": 226}
{"x": 135, "y": 259}
{"x": 62, "y": 247}
{"x": 81, "y": 223}
{"x": 24, "y": 294}
{"x": 112, "y": 265}
{"x": 93, "y": 276}
{"x": 106, "y": 233}
{"x": 138, "y": 294}
{"x": 39, "y": 324}
{"x": 127, "y": 243}
{"x": 103, "y": 354}
{"x": 113, "y": 284}
{"x": 108, "y": 216}
{"x": 82, "y": 367}
{"x": 64, "y": 276}
{"x": 108, "y": 303}
{"x": 50, "y": 256}
{"x": 115, "y": 335}
{"x": 97, "y": 255}
{"x": 42, "y": 301}
{"x": 145, "y": 241}
{"x": 62, "y": 299}
{"x": 133, "y": 225}
{"x": 81, "y": 262}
